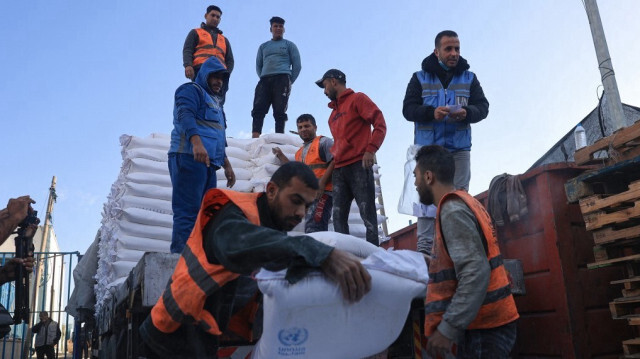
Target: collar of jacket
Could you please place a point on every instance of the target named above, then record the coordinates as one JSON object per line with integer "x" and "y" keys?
{"x": 431, "y": 64}
{"x": 334, "y": 104}
{"x": 209, "y": 28}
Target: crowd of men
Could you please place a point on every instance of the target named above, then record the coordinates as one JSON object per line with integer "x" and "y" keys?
{"x": 469, "y": 307}
{"x": 343, "y": 165}
{"x": 223, "y": 235}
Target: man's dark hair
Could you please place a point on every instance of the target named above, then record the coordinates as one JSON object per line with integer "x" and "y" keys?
{"x": 45, "y": 313}
{"x": 441, "y": 34}
{"x": 213, "y": 7}
{"x": 306, "y": 117}
{"x": 283, "y": 175}
{"x": 437, "y": 160}
{"x": 276, "y": 20}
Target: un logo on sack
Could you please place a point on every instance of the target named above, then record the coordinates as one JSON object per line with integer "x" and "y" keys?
{"x": 293, "y": 336}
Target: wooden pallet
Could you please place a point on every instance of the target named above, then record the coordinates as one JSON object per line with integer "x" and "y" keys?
{"x": 610, "y": 179}
{"x": 601, "y": 202}
{"x": 608, "y": 262}
{"x": 631, "y": 286}
{"x": 620, "y": 146}
{"x": 600, "y": 219}
{"x": 610, "y": 218}
{"x": 611, "y": 235}
{"x": 631, "y": 346}
{"x": 625, "y": 308}
{"x": 602, "y": 210}
{"x": 627, "y": 282}
{"x": 618, "y": 249}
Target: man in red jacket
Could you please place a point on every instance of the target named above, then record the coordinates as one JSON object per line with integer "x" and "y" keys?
{"x": 355, "y": 144}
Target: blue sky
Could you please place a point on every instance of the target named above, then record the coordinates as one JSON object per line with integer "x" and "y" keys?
{"x": 75, "y": 75}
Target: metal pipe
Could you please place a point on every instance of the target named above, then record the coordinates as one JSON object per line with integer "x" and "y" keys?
{"x": 69, "y": 296}
{"x": 53, "y": 282}
{"x": 60, "y": 308}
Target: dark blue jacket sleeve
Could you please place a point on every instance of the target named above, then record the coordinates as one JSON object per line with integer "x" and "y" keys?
{"x": 187, "y": 102}
{"x": 412, "y": 108}
{"x": 478, "y": 107}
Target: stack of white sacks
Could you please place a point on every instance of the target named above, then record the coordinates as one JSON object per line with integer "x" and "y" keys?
{"x": 137, "y": 217}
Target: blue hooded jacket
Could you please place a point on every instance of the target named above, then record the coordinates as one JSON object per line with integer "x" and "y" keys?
{"x": 197, "y": 111}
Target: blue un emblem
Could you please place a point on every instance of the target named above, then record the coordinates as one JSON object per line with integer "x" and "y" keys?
{"x": 293, "y": 336}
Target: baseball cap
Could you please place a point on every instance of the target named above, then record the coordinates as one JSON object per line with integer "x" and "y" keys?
{"x": 332, "y": 74}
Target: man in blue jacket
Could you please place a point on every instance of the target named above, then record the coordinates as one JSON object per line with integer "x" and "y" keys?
{"x": 197, "y": 147}
{"x": 443, "y": 100}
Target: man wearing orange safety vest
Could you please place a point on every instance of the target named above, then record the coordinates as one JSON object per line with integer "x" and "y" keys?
{"x": 210, "y": 294}
{"x": 315, "y": 153}
{"x": 469, "y": 299}
{"x": 205, "y": 42}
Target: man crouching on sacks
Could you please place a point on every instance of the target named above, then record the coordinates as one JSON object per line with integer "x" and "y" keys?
{"x": 209, "y": 295}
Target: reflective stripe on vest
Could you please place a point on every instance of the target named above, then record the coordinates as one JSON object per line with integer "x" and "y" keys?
{"x": 206, "y": 48}
{"x": 454, "y": 136}
{"x": 210, "y": 124}
{"x": 314, "y": 161}
{"x": 498, "y": 307}
{"x": 194, "y": 278}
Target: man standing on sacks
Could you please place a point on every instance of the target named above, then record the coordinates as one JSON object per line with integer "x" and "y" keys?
{"x": 358, "y": 128}
{"x": 278, "y": 66}
{"x": 205, "y": 42}
{"x": 443, "y": 100}
{"x": 197, "y": 147}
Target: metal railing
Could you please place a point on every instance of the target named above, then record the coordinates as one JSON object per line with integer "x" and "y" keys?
{"x": 52, "y": 292}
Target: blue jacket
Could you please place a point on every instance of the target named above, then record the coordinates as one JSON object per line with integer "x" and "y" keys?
{"x": 433, "y": 87}
{"x": 197, "y": 111}
{"x": 454, "y": 136}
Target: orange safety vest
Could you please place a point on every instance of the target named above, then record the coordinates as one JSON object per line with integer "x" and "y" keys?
{"x": 207, "y": 48}
{"x": 313, "y": 160}
{"x": 498, "y": 307}
{"x": 194, "y": 278}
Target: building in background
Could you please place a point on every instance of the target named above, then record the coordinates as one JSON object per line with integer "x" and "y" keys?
{"x": 49, "y": 289}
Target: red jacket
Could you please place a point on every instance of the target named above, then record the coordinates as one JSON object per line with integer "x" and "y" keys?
{"x": 350, "y": 122}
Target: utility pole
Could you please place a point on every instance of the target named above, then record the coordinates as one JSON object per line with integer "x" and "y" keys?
{"x": 46, "y": 230}
{"x": 613, "y": 103}
{"x": 38, "y": 267}
{"x": 47, "y": 220}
